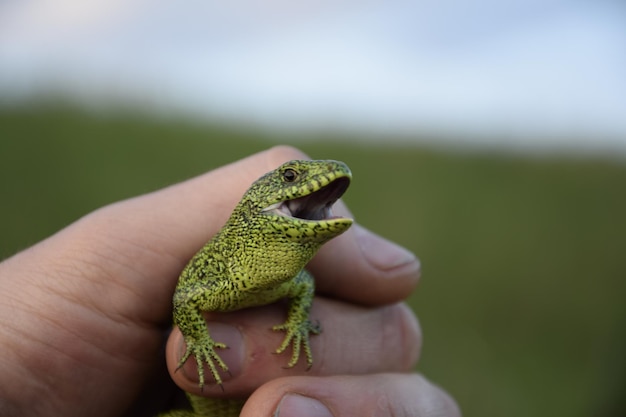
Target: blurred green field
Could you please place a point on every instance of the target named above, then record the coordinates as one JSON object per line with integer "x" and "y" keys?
{"x": 522, "y": 300}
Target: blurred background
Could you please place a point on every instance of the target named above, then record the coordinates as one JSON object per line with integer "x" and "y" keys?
{"x": 487, "y": 136}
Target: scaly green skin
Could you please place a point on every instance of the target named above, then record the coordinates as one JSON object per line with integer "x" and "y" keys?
{"x": 257, "y": 258}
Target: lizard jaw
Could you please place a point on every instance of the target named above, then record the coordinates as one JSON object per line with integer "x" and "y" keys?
{"x": 314, "y": 206}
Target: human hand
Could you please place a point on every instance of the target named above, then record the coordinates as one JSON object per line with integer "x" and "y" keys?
{"x": 83, "y": 315}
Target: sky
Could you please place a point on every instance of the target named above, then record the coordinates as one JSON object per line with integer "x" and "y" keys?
{"x": 526, "y": 74}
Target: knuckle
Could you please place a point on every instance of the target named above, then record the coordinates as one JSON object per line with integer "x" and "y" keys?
{"x": 401, "y": 334}
{"x": 281, "y": 153}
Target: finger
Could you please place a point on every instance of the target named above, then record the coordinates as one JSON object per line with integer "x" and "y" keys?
{"x": 363, "y": 267}
{"x": 182, "y": 217}
{"x": 364, "y": 340}
{"x": 342, "y": 396}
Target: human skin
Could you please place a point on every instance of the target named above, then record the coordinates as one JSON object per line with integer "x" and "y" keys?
{"x": 84, "y": 315}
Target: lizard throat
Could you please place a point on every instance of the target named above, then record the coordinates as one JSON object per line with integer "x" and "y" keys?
{"x": 314, "y": 206}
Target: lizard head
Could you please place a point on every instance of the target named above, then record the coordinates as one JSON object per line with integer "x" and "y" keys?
{"x": 296, "y": 200}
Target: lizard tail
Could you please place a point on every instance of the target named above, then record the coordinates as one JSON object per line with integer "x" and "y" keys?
{"x": 209, "y": 407}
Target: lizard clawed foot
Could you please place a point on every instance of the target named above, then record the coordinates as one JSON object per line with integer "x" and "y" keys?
{"x": 204, "y": 352}
{"x": 298, "y": 334}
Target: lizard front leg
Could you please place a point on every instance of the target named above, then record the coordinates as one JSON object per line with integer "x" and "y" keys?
{"x": 298, "y": 326}
{"x": 188, "y": 305}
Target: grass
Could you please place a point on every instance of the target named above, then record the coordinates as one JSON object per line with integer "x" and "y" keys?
{"x": 522, "y": 301}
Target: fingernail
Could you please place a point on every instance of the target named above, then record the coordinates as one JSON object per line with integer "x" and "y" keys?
{"x": 380, "y": 252}
{"x": 233, "y": 355}
{"x": 294, "y": 405}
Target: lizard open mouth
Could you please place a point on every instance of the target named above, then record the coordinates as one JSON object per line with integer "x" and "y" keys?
{"x": 314, "y": 206}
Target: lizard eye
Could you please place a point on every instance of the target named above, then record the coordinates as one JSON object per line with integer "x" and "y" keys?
{"x": 290, "y": 175}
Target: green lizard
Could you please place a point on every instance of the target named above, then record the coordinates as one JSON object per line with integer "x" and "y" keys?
{"x": 258, "y": 258}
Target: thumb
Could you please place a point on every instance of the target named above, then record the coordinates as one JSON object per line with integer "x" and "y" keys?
{"x": 363, "y": 395}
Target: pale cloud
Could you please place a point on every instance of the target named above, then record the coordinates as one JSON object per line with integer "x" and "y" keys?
{"x": 58, "y": 20}
{"x": 520, "y": 70}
